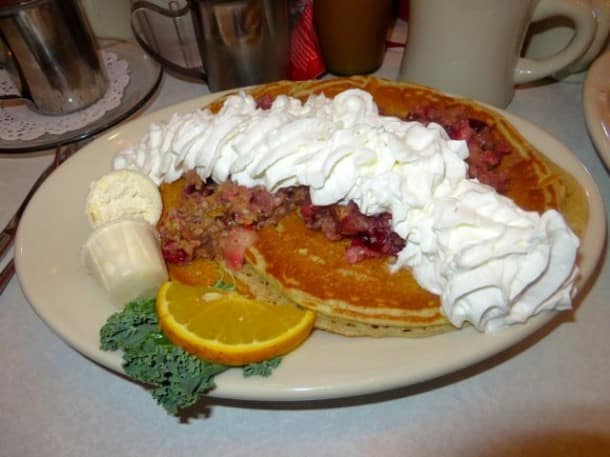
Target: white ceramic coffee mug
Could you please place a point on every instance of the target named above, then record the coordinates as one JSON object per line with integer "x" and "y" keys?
{"x": 550, "y": 36}
{"x": 472, "y": 47}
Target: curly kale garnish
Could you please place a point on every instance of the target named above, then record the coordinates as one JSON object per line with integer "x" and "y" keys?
{"x": 127, "y": 329}
{"x": 264, "y": 368}
{"x": 177, "y": 378}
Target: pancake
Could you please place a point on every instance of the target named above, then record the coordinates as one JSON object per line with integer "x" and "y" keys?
{"x": 311, "y": 270}
{"x": 535, "y": 182}
{"x": 291, "y": 262}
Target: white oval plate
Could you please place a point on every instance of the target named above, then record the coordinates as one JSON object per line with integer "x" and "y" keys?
{"x": 54, "y": 227}
{"x": 596, "y": 100}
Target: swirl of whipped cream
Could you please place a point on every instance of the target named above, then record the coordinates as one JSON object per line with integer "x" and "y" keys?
{"x": 492, "y": 263}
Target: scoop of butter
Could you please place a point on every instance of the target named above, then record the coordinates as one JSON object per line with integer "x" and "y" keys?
{"x": 125, "y": 259}
{"x": 123, "y": 193}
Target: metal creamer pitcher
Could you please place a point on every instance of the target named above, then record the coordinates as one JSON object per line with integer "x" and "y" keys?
{"x": 241, "y": 42}
{"x": 51, "y": 54}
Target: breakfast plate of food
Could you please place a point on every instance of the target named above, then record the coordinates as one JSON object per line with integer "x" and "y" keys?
{"x": 596, "y": 95}
{"x": 412, "y": 234}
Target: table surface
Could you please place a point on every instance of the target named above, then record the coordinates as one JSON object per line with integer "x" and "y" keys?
{"x": 549, "y": 395}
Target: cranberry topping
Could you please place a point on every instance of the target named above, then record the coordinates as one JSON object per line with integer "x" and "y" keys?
{"x": 486, "y": 152}
{"x": 264, "y": 102}
{"x": 371, "y": 236}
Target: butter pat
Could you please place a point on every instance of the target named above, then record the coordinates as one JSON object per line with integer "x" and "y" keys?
{"x": 123, "y": 193}
{"x": 125, "y": 259}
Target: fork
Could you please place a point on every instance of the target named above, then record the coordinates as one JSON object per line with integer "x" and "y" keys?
{"x": 7, "y": 236}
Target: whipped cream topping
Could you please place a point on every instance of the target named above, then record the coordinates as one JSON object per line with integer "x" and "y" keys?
{"x": 492, "y": 263}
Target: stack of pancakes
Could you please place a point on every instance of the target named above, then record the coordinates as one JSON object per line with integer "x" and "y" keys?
{"x": 290, "y": 262}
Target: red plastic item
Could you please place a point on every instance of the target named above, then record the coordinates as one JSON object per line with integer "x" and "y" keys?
{"x": 305, "y": 56}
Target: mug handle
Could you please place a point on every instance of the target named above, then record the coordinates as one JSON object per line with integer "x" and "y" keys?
{"x": 582, "y": 15}
{"x": 143, "y": 5}
{"x": 601, "y": 10}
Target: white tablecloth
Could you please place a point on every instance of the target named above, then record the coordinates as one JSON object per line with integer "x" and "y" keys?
{"x": 548, "y": 396}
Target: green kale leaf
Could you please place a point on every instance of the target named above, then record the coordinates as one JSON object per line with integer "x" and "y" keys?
{"x": 264, "y": 368}
{"x": 127, "y": 329}
{"x": 177, "y": 379}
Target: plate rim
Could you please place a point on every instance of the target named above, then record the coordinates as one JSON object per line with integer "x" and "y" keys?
{"x": 596, "y": 90}
{"x": 231, "y": 384}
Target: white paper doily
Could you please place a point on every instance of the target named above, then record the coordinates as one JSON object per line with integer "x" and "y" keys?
{"x": 19, "y": 122}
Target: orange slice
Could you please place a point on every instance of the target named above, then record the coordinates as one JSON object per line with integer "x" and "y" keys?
{"x": 228, "y": 328}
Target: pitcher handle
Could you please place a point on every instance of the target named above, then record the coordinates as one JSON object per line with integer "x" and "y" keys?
{"x": 11, "y": 65}
{"x": 143, "y": 5}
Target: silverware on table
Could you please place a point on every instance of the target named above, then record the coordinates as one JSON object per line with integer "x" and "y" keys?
{"x": 7, "y": 236}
